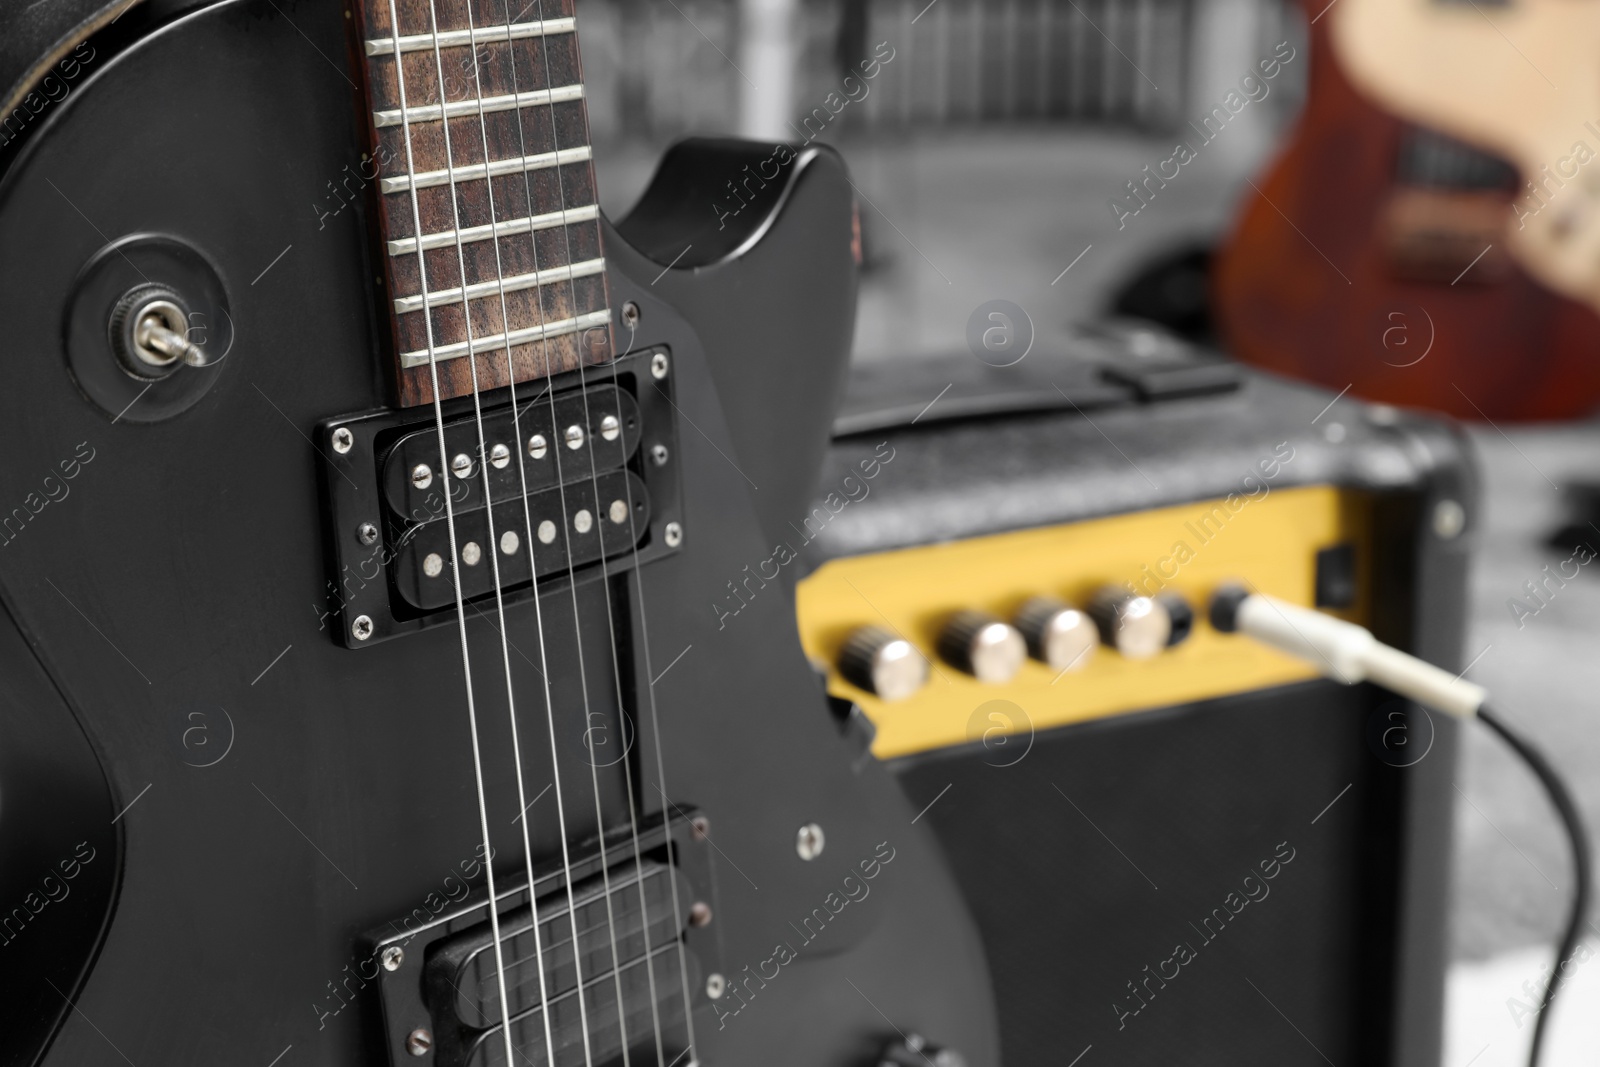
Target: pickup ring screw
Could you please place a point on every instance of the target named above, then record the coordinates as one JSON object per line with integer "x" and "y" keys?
{"x": 421, "y": 476}
{"x": 343, "y": 440}
{"x": 673, "y": 534}
{"x": 658, "y": 455}
{"x": 809, "y": 841}
{"x": 361, "y": 628}
{"x": 716, "y": 985}
{"x": 658, "y": 366}
{"x": 700, "y": 828}
{"x": 631, "y": 314}
{"x": 419, "y": 1042}
{"x": 393, "y": 957}
{"x": 367, "y": 533}
{"x": 700, "y": 914}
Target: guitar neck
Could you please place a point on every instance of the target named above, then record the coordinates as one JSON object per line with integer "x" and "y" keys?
{"x": 490, "y": 229}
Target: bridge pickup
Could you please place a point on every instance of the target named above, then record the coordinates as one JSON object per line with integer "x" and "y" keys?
{"x": 568, "y": 526}
{"x": 593, "y": 429}
{"x": 638, "y": 940}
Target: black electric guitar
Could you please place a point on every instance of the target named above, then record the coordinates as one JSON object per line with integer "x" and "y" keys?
{"x": 367, "y": 497}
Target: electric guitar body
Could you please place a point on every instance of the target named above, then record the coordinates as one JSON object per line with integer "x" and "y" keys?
{"x": 1375, "y": 255}
{"x": 260, "y": 763}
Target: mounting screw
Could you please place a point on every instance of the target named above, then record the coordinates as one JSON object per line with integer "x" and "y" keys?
{"x": 700, "y": 914}
{"x": 344, "y": 440}
{"x": 809, "y": 841}
{"x": 674, "y": 535}
{"x": 361, "y": 629}
{"x": 658, "y": 455}
{"x": 715, "y": 986}
{"x": 367, "y": 533}
{"x": 1449, "y": 519}
{"x": 419, "y": 1042}
{"x": 631, "y": 314}
{"x": 393, "y": 957}
{"x": 700, "y": 828}
{"x": 658, "y": 366}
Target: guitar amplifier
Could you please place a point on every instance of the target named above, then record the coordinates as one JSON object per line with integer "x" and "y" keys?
{"x": 1178, "y": 846}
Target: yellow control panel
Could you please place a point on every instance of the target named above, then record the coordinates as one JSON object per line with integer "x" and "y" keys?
{"x": 1178, "y": 554}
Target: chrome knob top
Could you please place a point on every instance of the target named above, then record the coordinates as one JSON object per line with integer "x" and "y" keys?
{"x": 990, "y": 650}
{"x": 1136, "y": 626}
{"x": 883, "y": 664}
{"x": 1060, "y": 637}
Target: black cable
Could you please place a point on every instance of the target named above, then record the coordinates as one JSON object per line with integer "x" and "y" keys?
{"x": 1562, "y": 799}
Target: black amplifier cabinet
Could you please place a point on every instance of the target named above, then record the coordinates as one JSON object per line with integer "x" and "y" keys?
{"x": 1197, "y": 853}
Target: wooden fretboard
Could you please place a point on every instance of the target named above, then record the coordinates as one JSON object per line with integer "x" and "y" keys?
{"x": 513, "y": 131}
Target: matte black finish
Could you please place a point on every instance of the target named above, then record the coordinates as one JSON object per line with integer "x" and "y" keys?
{"x": 186, "y": 573}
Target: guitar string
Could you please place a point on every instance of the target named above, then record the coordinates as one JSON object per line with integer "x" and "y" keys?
{"x": 444, "y": 469}
{"x": 661, "y": 778}
{"x": 493, "y": 546}
{"x": 555, "y": 444}
{"x": 605, "y": 580}
{"x": 599, "y": 528}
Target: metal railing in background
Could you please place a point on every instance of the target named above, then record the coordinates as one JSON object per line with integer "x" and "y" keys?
{"x": 661, "y": 68}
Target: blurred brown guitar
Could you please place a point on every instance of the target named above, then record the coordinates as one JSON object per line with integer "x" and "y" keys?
{"x": 1384, "y": 253}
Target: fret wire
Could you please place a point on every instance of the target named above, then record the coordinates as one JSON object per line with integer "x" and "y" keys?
{"x": 516, "y": 283}
{"x": 454, "y": 38}
{"x": 456, "y": 108}
{"x": 510, "y": 228}
{"x": 560, "y": 328}
{"x": 495, "y": 169}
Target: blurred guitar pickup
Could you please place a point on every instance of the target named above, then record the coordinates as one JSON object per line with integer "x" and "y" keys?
{"x": 630, "y": 937}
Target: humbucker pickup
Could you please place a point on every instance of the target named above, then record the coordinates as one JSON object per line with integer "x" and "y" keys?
{"x": 584, "y": 474}
{"x": 639, "y": 951}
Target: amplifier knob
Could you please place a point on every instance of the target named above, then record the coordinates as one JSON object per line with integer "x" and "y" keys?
{"x": 990, "y": 650}
{"x": 1136, "y": 626}
{"x": 883, "y": 664}
{"x": 1060, "y": 637}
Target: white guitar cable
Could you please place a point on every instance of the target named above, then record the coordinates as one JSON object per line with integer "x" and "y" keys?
{"x": 1349, "y": 653}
